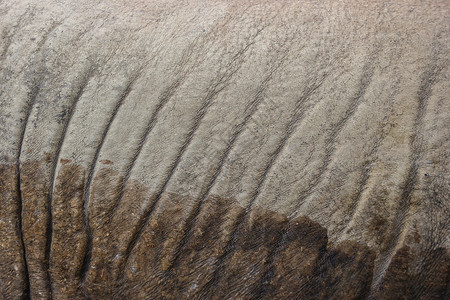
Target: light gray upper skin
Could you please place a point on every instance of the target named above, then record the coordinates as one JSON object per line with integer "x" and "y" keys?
{"x": 334, "y": 110}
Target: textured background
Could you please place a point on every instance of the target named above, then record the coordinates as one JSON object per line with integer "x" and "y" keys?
{"x": 224, "y": 149}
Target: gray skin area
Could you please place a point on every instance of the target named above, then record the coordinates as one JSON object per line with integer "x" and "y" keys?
{"x": 119, "y": 117}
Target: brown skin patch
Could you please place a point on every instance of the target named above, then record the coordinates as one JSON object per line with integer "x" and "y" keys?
{"x": 65, "y": 161}
{"x": 210, "y": 235}
{"x": 35, "y": 181}
{"x": 294, "y": 271}
{"x": 106, "y": 162}
{"x": 346, "y": 272}
{"x": 243, "y": 271}
{"x": 378, "y": 228}
{"x": 176, "y": 274}
{"x": 413, "y": 237}
{"x": 183, "y": 252}
{"x": 154, "y": 250}
{"x": 404, "y": 280}
{"x": 69, "y": 234}
{"x": 13, "y": 281}
{"x": 103, "y": 197}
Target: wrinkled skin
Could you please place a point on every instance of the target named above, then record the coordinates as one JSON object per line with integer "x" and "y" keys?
{"x": 224, "y": 149}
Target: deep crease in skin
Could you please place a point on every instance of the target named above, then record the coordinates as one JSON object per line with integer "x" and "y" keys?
{"x": 274, "y": 68}
{"x": 191, "y": 220}
{"x": 209, "y": 186}
{"x": 164, "y": 99}
{"x": 86, "y": 262}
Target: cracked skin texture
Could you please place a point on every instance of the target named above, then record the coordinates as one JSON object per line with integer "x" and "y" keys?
{"x": 224, "y": 150}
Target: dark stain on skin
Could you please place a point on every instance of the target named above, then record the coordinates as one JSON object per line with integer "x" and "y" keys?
{"x": 378, "y": 227}
{"x": 106, "y": 162}
{"x": 35, "y": 190}
{"x": 65, "y": 161}
{"x": 13, "y": 271}
{"x": 413, "y": 276}
{"x": 346, "y": 271}
{"x": 69, "y": 241}
{"x": 176, "y": 256}
{"x": 305, "y": 243}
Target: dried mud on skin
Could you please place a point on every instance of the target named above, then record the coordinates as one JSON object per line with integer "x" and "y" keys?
{"x": 13, "y": 274}
{"x": 178, "y": 254}
{"x": 35, "y": 194}
{"x": 69, "y": 241}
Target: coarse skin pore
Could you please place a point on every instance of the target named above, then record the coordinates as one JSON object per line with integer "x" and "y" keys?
{"x": 245, "y": 149}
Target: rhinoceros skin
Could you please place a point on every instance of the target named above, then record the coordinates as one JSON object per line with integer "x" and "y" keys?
{"x": 224, "y": 149}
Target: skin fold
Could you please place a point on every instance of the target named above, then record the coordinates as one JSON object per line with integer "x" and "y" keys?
{"x": 224, "y": 149}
